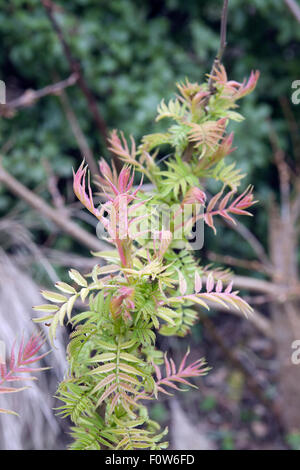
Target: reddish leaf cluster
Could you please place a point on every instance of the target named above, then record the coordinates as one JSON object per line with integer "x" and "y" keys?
{"x": 180, "y": 375}
{"x": 20, "y": 361}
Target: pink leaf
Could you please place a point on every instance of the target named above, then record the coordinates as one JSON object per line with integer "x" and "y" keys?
{"x": 210, "y": 283}
{"x": 213, "y": 201}
{"x": 182, "y": 284}
{"x": 198, "y": 282}
{"x": 228, "y": 288}
{"x": 219, "y": 286}
{"x": 193, "y": 370}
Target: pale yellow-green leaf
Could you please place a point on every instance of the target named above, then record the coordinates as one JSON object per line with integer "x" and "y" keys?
{"x": 160, "y": 313}
{"x": 112, "y": 268}
{"x": 235, "y": 116}
{"x": 61, "y": 314}
{"x": 77, "y": 277}
{"x": 128, "y": 344}
{"x": 64, "y": 287}
{"x": 199, "y": 301}
{"x": 84, "y": 293}
{"x": 70, "y": 305}
{"x": 106, "y": 381}
{"x": 101, "y": 369}
{"x": 53, "y": 327}
{"x": 46, "y": 308}
{"x": 175, "y": 300}
{"x": 53, "y": 296}
{"x": 129, "y": 357}
{"x": 130, "y": 370}
{"x": 42, "y": 319}
{"x": 107, "y": 346}
{"x": 103, "y": 357}
{"x": 214, "y": 298}
{"x": 130, "y": 424}
{"x": 168, "y": 311}
{"x": 129, "y": 378}
{"x": 112, "y": 255}
{"x": 8, "y": 412}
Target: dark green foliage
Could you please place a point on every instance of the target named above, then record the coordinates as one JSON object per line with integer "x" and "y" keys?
{"x": 132, "y": 53}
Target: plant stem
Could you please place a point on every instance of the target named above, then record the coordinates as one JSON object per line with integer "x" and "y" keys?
{"x": 218, "y": 58}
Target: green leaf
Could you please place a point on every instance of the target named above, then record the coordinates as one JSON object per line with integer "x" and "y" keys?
{"x": 103, "y": 357}
{"x": 129, "y": 357}
{"x": 102, "y": 369}
{"x": 46, "y": 308}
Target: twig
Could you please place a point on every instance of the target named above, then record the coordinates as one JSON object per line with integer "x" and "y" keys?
{"x": 258, "y": 299}
{"x": 254, "y": 386}
{"x": 70, "y": 259}
{"x": 46, "y": 210}
{"x": 294, "y": 132}
{"x": 61, "y": 258}
{"x": 249, "y": 237}
{"x": 75, "y": 66}
{"x": 241, "y": 263}
{"x": 223, "y": 43}
{"x": 284, "y": 174}
{"x": 188, "y": 153}
{"x": 259, "y": 285}
{"x": 295, "y": 207}
{"x": 57, "y": 198}
{"x": 294, "y": 7}
{"x": 17, "y": 234}
{"x": 261, "y": 323}
{"x": 81, "y": 140}
{"x": 255, "y": 244}
{"x": 293, "y": 128}
{"x": 30, "y": 96}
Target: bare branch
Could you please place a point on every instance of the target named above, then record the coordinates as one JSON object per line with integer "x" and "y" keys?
{"x": 250, "y": 238}
{"x": 293, "y": 128}
{"x": 30, "y": 96}
{"x": 241, "y": 263}
{"x": 223, "y": 30}
{"x": 81, "y": 140}
{"x": 253, "y": 242}
{"x": 57, "y": 198}
{"x": 259, "y": 321}
{"x": 294, "y": 7}
{"x": 284, "y": 174}
{"x": 76, "y": 68}
{"x": 62, "y": 258}
{"x": 253, "y": 383}
{"x": 59, "y": 258}
{"x": 47, "y": 211}
{"x": 187, "y": 155}
{"x": 223, "y": 43}
{"x": 259, "y": 285}
{"x": 295, "y": 210}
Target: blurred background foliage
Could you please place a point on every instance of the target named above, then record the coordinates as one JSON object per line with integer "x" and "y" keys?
{"x": 132, "y": 53}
